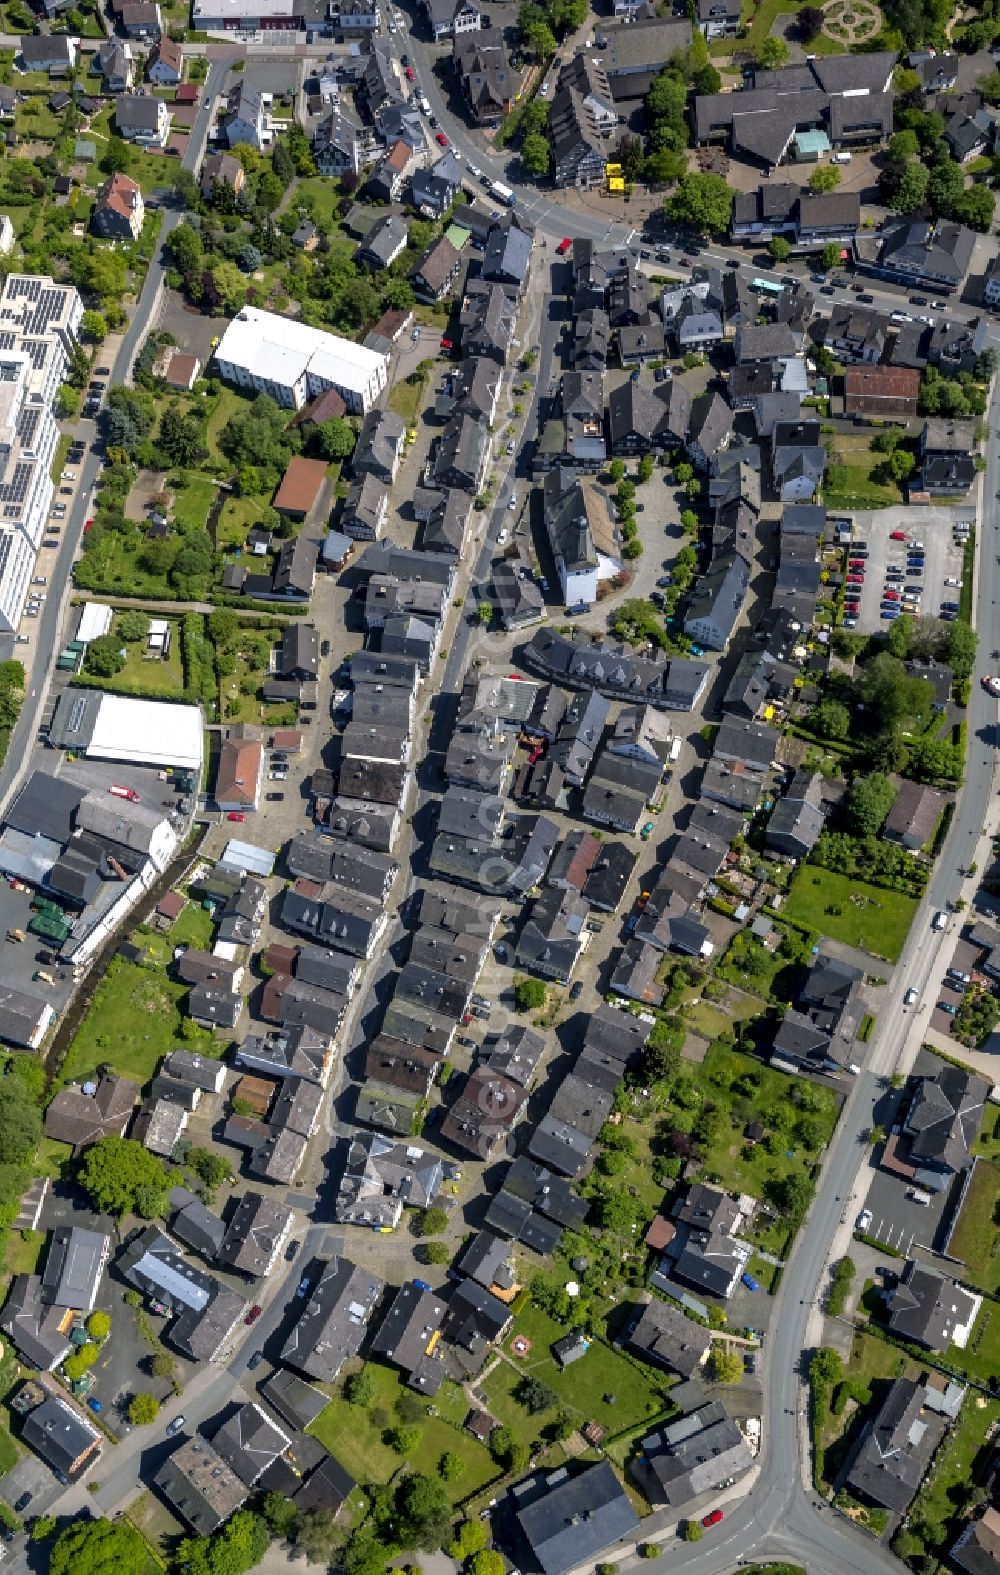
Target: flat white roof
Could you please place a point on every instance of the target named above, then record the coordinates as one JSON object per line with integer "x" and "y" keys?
{"x": 247, "y": 858}
{"x": 147, "y": 733}
{"x": 243, "y": 10}
{"x": 281, "y": 350}
{"x": 95, "y": 620}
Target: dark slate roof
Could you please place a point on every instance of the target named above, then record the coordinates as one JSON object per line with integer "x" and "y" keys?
{"x": 568, "y": 1520}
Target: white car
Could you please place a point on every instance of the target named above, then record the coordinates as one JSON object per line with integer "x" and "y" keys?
{"x": 474, "y": 170}
{"x": 911, "y": 997}
{"x": 503, "y": 538}
{"x": 864, "y": 1220}
{"x": 415, "y": 335}
{"x": 512, "y": 505}
{"x": 953, "y": 581}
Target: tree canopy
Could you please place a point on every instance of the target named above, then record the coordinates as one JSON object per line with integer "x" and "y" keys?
{"x": 97, "y": 1547}
{"x": 869, "y": 800}
{"x": 115, "y": 1172}
{"x": 702, "y": 201}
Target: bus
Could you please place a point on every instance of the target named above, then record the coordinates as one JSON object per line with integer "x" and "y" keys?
{"x": 502, "y": 193}
{"x": 767, "y": 286}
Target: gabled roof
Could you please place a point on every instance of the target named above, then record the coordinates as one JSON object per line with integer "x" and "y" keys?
{"x": 569, "y": 1520}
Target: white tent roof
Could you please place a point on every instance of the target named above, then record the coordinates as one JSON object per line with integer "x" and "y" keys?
{"x": 95, "y": 620}
{"x": 147, "y": 733}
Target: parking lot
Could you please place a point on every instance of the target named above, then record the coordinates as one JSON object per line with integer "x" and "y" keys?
{"x": 897, "y": 1218}
{"x": 913, "y": 564}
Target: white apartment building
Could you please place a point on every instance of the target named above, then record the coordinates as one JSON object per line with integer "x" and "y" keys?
{"x": 39, "y": 320}
{"x": 294, "y": 363}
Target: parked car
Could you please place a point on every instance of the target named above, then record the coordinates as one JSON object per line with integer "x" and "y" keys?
{"x": 911, "y": 997}
{"x": 713, "y": 1518}
{"x": 441, "y": 139}
{"x": 253, "y": 1314}
{"x": 576, "y": 990}
{"x": 305, "y": 1286}
{"x": 864, "y": 1220}
{"x": 174, "y": 1427}
{"x": 564, "y": 245}
{"x": 255, "y": 1360}
{"x": 236, "y": 814}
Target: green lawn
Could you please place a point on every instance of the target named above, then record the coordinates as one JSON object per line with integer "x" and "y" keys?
{"x": 193, "y": 501}
{"x": 974, "y": 1240}
{"x": 143, "y": 673}
{"x": 958, "y": 1462}
{"x": 740, "y": 1168}
{"x": 52, "y": 1158}
{"x": 133, "y": 1021}
{"x": 750, "y": 966}
{"x": 853, "y": 480}
{"x": 604, "y": 1386}
{"x": 22, "y": 1251}
{"x": 356, "y": 1436}
{"x": 981, "y": 1357}
{"x": 324, "y": 198}
{"x": 406, "y": 399}
{"x": 867, "y": 916}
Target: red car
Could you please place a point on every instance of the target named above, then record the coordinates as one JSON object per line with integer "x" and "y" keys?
{"x": 858, "y": 565}
{"x": 236, "y": 814}
{"x": 564, "y": 245}
{"x": 890, "y": 596}
{"x": 535, "y": 756}
{"x": 411, "y": 75}
{"x": 898, "y": 535}
{"x": 446, "y": 344}
{"x": 253, "y": 1314}
{"x": 855, "y": 579}
{"x": 712, "y": 1519}
{"x": 440, "y": 139}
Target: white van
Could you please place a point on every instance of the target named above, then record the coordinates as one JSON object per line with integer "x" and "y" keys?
{"x": 842, "y": 158}
{"x": 918, "y": 1195}
{"x": 939, "y": 921}
{"x": 675, "y": 751}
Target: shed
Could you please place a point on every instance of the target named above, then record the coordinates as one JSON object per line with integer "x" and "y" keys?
{"x": 301, "y": 487}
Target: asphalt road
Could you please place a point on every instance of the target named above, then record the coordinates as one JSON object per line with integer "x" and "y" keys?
{"x": 46, "y": 631}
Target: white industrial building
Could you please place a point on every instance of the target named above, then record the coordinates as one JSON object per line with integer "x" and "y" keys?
{"x": 295, "y": 363}
{"x": 39, "y": 320}
{"x": 138, "y": 732}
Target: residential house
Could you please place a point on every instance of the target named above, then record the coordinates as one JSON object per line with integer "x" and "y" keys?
{"x": 485, "y": 1113}
{"x": 914, "y": 816}
{"x": 718, "y": 18}
{"x": 820, "y": 1032}
{"x": 335, "y": 145}
{"x": 165, "y": 62}
{"x": 707, "y": 1251}
{"x": 142, "y": 119}
{"x": 715, "y": 607}
{"x": 222, "y": 169}
{"x": 490, "y": 84}
{"x": 947, "y": 455}
{"x": 449, "y": 18}
{"x": 80, "y": 1117}
{"x": 434, "y": 189}
{"x": 256, "y": 1233}
{"x": 114, "y": 60}
{"x": 247, "y": 117}
{"x": 200, "y": 1486}
{"x": 240, "y": 770}
{"x": 463, "y": 454}
{"x": 798, "y": 817}
{"x": 920, "y": 253}
{"x": 437, "y": 271}
{"x": 333, "y": 1321}
{"x": 382, "y": 1178}
{"x": 977, "y": 1550}
{"x": 894, "y": 1453}
{"x": 554, "y": 935}
{"x": 51, "y": 52}
{"x": 365, "y": 509}
{"x": 710, "y": 429}
{"x": 487, "y": 319}
{"x": 881, "y": 392}
{"x": 380, "y": 446}
{"x": 59, "y": 1431}
{"x": 385, "y": 241}
{"x": 409, "y": 1336}
{"x": 507, "y": 257}
{"x": 967, "y": 137}
{"x": 570, "y": 1520}
{"x": 119, "y": 211}
{"x": 942, "y": 1122}
{"x": 930, "y": 1310}
{"x": 140, "y": 19}
{"x": 693, "y": 1456}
